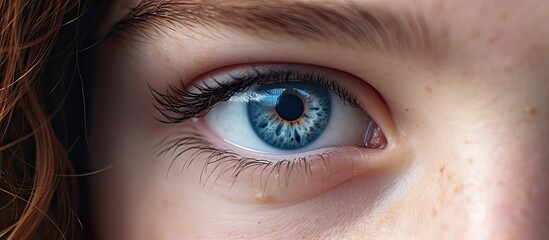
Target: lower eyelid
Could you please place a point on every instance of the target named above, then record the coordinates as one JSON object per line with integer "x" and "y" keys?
{"x": 271, "y": 181}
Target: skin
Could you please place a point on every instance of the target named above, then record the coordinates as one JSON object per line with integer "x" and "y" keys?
{"x": 467, "y": 133}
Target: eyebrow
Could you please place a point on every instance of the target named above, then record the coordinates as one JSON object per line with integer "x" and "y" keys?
{"x": 345, "y": 23}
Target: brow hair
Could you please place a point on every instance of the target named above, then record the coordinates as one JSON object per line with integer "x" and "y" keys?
{"x": 344, "y": 23}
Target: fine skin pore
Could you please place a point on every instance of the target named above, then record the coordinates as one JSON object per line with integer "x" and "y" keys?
{"x": 465, "y": 119}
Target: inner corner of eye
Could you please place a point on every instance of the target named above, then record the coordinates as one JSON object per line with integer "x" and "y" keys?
{"x": 374, "y": 137}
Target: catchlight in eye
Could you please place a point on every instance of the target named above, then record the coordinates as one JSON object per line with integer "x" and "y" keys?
{"x": 290, "y": 115}
{"x": 288, "y": 111}
{"x": 270, "y": 122}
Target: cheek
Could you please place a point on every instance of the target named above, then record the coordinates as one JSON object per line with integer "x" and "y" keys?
{"x": 483, "y": 166}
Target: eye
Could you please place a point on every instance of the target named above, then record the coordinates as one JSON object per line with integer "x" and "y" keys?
{"x": 285, "y": 130}
{"x": 299, "y": 114}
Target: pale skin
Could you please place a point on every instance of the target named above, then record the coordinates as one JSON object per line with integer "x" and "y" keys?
{"x": 467, "y": 134}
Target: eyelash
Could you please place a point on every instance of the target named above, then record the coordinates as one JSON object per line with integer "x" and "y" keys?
{"x": 179, "y": 104}
{"x": 226, "y": 161}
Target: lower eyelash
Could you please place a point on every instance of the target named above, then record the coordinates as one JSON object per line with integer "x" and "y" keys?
{"x": 223, "y": 161}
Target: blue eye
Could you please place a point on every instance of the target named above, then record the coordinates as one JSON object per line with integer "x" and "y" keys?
{"x": 286, "y": 109}
{"x": 290, "y": 115}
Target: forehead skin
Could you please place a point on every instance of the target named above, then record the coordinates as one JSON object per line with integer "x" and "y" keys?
{"x": 501, "y": 33}
{"x": 484, "y": 109}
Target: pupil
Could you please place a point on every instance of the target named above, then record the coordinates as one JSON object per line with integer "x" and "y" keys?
{"x": 290, "y": 115}
{"x": 289, "y": 107}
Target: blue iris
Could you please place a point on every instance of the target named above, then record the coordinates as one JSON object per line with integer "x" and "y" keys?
{"x": 289, "y": 115}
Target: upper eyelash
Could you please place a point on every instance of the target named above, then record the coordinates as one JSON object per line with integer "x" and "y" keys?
{"x": 178, "y": 104}
{"x": 225, "y": 161}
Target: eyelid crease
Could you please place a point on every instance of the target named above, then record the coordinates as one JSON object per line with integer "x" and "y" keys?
{"x": 179, "y": 103}
{"x": 349, "y": 24}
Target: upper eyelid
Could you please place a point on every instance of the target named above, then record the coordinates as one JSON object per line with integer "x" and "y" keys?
{"x": 179, "y": 103}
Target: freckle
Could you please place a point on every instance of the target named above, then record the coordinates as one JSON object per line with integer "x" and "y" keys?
{"x": 475, "y": 33}
{"x": 492, "y": 40}
{"x": 502, "y": 17}
{"x": 465, "y": 73}
{"x": 165, "y": 203}
{"x": 262, "y": 198}
{"x": 441, "y": 170}
{"x": 470, "y": 160}
{"x": 434, "y": 213}
{"x": 531, "y": 111}
{"x": 444, "y": 33}
{"x": 467, "y": 141}
{"x": 458, "y": 189}
{"x": 439, "y": 8}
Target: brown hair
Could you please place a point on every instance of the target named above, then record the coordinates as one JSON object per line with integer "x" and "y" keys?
{"x": 36, "y": 200}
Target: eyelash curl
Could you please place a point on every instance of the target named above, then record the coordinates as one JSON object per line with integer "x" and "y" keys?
{"x": 179, "y": 103}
